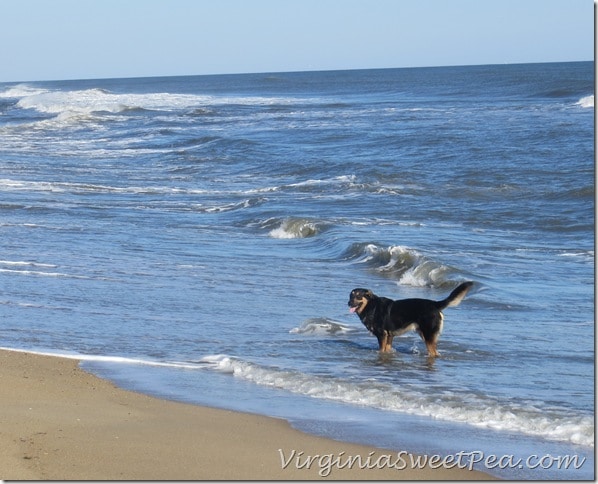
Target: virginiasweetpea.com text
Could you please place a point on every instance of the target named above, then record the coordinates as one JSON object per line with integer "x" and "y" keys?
{"x": 326, "y": 463}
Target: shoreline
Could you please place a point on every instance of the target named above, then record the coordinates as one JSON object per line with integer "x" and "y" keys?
{"x": 59, "y": 422}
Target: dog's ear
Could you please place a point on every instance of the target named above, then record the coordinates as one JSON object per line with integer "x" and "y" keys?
{"x": 360, "y": 292}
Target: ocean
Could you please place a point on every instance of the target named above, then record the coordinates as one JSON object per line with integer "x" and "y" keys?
{"x": 196, "y": 238}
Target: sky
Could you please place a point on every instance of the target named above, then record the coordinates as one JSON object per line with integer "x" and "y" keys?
{"x": 91, "y": 39}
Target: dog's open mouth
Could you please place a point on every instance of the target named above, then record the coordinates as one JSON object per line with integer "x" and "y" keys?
{"x": 352, "y": 309}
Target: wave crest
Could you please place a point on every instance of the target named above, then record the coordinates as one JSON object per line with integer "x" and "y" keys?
{"x": 94, "y": 100}
{"x": 293, "y": 228}
{"x": 78, "y": 102}
{"x": 323, "y": 326}
{"x": 557, "y": 424}
{"x": 586, "y": 102}
{"x": 407, "y": 265}
{"x": 20, "y": 90}
{"x": 467, "y": 408}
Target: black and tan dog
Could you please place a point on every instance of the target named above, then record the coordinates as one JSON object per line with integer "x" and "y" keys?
{"x": 386, "y": 318}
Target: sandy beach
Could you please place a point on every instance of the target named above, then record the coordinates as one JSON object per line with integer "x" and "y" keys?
{"x": 59, "y": 422}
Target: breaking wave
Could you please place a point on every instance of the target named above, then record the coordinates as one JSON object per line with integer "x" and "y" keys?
{"x": 586, "y": 102}
{"x": 70, "y": 103}
{"x": 21, "y": 90}
{"x": 557, "y": 424}
{"x": 467, "y": 408}
{"x": 407, "y": 266}
{"x": 293, "y": 228}
{"x": 322, "y": 326}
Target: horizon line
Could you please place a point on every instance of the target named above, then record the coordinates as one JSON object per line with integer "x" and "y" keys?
{"x": 292, "y": 71}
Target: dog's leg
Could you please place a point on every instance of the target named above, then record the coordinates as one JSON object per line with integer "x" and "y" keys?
{"x": 382, "y": 341}
{"x": 385, "y": 342}
{"x": 389, "y": 337}
{"x": 432, "y": 333}
{"x": 432, "y": 351}
{"x": 431, "y": 341}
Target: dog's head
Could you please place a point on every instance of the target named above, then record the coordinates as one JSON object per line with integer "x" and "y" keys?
{"x": 359, "y": 299}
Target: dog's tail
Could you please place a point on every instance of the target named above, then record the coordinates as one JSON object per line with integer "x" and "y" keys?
{"x": 455, "y": 297}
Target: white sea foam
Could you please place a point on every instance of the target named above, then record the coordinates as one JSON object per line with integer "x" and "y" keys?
{"x": 86, "y": 101}
{"x": 110, "y": 359}
{"x": 476, "y": 410}
{"x": 230, "y": 206}
{"x": 322, "y": 326}
{"x": 42, "y": 273}
{"x": 341, "y": 179}
{"x": 586, "y": 102}
{"x": 41, "y": 186}
{"x": 98, "y": 100}
{"x": 21, "y": 90}
{"x": 26, "y": 268}
{"x": 24, "y": 263}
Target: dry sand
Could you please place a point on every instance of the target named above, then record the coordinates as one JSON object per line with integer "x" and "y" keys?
{"x": 58, "y": 422}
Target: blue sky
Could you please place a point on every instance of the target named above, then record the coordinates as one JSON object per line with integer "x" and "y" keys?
{"x": 87, "y": 39}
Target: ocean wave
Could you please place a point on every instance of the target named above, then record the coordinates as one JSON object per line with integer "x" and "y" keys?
{"x": 552, "y": 423}
{"x": 322, "y": 326}
{"x": 471, "y": 409}
{"x": 38, "y": 269}
{"x": 43, "y": 186}
{"x": 110, "y": 359}
{"x": 292, "y": 228}
{"x": 24, "y": 272}
{"x": 336, "y": 180}
{"x": 21, "y": 90}
{"x": 28, "y": 268}
{"x": 25, "y": 263}
{"x": 7, "y": 184}
{"x": 582, "y": 255}
{"x": 74, "y": 106}
{"x": 406, "y": 265}
{"x": 228, "y": 207}
{"x": 78, "y": 102}
{"x": 320, "y": 187}
{"x": 97, "y": 100}
{"x": 586, "y": 102}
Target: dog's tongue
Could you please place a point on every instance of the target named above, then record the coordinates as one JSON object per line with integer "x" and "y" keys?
{"x": 352, "y": 310}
